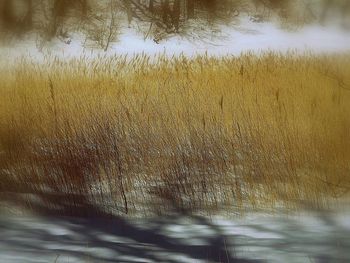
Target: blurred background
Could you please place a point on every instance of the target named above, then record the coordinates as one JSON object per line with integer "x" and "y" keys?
{"x": 100, "y": 22}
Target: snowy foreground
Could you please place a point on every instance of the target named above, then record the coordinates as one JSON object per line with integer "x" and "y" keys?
{"x": 256, "y": 237}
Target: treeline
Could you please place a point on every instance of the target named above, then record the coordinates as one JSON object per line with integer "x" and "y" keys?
{"x": 19, "y": 15}
{"x": 102, "y": 18}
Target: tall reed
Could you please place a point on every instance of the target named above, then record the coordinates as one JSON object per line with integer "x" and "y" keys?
{"x": 177, "y": 133}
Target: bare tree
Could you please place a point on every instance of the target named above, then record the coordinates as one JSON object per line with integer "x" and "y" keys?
{"x": 151, "y": 6}
{"x": 176, "y": 15}
{"x": 16, "y": 16}
{"x": 190, "y": 8}
{"x": 112, "y": 25}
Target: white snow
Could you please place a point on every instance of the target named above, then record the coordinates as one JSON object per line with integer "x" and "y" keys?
{"x": 307, "y": 237}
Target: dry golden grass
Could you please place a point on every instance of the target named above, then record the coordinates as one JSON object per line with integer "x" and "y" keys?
{"x": 184, "y": 133}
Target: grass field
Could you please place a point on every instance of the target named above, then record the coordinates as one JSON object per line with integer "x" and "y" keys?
{"x": 190, "y": 134}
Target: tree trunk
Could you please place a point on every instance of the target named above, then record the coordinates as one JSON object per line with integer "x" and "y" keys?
{"x": 151, "y": 6}
{"x": 165, "y": 12}
{"x": 176, "y": 14}
{"x": 325, "y": 10}
{"x": 190, "y": 8}
{"x": 29, "y": 17}
{"x": 84, "y": 8}
{"x": 6, "y": 15}
{"x": 127, "y": 5}
{"x": 12, "y": 21}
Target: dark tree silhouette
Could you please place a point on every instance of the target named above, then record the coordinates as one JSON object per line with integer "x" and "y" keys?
{"x": 10, "y": 20}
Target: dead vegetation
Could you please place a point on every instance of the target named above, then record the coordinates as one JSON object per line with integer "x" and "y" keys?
{"x": 190, "y": 134}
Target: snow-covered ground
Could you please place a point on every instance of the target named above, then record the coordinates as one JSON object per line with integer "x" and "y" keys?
{"x": 257, "y": 237}
{"x": 243, "y": 37}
